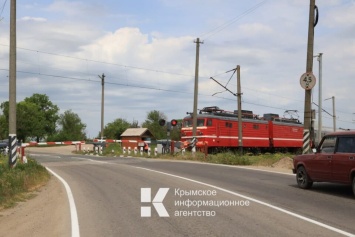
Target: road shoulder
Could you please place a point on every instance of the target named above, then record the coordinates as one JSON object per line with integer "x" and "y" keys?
{"x": 49, "y": 206}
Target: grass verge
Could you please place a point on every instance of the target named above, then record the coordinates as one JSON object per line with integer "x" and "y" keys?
{"x": 17, "y": 184}
{"x": 228, "y": 158}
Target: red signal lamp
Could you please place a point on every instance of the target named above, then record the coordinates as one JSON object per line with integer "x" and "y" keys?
{"x": 174, "y": 122}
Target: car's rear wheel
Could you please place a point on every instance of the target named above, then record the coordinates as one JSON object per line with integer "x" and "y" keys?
{"x": 303, "y": 179}
{"x": 354, "y": 185}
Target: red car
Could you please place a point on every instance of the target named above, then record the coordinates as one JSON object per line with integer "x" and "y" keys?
{"x": 333, "y": 161}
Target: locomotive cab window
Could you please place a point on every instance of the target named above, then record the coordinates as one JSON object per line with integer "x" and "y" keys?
{"x": 188, "y": 123}
{"x": 200, "y": 122}
{"x": 209, "y": 122}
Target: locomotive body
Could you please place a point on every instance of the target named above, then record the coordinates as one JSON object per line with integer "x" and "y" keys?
{"x": 218, "y": 130}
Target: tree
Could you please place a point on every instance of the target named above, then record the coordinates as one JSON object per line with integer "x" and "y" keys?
{"x": 49, "y": 111}
{"x": 152, "y": 123}
{"x": 4, "y": 128}
{"x": 29, "y": 120}
{"x": 114, "y": 129}
{"x": 71, "y": 128}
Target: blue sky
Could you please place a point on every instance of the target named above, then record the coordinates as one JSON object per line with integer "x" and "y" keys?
{"x": 146, "y": 50}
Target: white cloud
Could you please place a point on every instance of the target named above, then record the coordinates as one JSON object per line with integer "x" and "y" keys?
{"x": 37, "y": 19}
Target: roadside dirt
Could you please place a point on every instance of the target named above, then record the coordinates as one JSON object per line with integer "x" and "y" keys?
{"x": 46, "y": 214}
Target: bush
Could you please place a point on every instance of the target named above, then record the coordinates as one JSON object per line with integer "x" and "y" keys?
{"x": 23, "y": 178}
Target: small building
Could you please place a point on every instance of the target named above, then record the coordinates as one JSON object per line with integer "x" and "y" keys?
{"x": 136, "y": 137}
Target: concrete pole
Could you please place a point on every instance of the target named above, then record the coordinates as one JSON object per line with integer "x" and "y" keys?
{"x": 240, "y": 126}
{"x": 308, "y": 93}
{"x": 194, "y": 116}
{"x": 334, "y": 116}
{"x": 102, "y": 104}
{"x": 12, "y": 88}
{"x": 319, "y": 58}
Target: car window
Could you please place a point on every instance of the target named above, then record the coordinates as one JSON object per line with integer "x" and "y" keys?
{"x": 346, "y": 144}
{"x": 328, "y": 144}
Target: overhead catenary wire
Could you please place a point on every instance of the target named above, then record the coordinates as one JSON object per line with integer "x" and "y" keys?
{"x": 221, "y": 27}
{"x": 140, "y": 87}
{"x": 2, "y": 9}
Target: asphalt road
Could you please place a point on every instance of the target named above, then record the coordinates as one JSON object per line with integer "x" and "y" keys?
{"x": 202, "y": 199}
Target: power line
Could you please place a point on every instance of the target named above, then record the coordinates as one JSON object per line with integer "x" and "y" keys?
{"x": 135, "y": 86}
{"x": 102, "y": 62}
{"x": 2, "y": 9}
{"x": 233, "y": 20}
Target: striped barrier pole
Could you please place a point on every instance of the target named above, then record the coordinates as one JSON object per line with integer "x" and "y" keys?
{"x": 12, "y": 150}
{"x": 306, "y": 141}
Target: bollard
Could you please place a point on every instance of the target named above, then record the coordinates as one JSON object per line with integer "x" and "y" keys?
{"x": 183, "y": 151}
{"x": 24, "y": 158}
{"x": 156, "y": 151}
{"x": 149, "y": 151}
{"x": 124, "y": 150}
{"x": 141, "y": 150}
{"x": 135, "y": 150}
{"x": 129, "y": 150}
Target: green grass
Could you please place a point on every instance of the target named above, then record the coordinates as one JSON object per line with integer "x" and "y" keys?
{"x": 228, "y": 158}
{"x": 16, "y": 184}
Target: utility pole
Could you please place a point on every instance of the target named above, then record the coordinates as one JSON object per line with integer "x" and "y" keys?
{"x": 194, "y": 116}
{"x": 309, "y": 79}
{"x": 239, "y": 102}
{"x": 334, "y": 116}
{"x": 319, "y": 135}
{"x": 240, "y": 126}
{"x": 12, "y": 88}
{"x": 102, "y": 105}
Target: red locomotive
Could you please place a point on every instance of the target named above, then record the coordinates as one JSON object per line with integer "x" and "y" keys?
{"x": 217, "y": 130}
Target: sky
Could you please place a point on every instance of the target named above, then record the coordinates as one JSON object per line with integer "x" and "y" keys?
{"x": 146, "y": 49}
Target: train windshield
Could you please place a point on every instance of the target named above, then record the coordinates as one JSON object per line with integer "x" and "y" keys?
{"x": 188, "y": 123}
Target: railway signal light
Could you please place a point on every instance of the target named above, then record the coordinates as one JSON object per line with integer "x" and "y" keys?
{"x": 161, "y": 122}
{"x": 174, "y": 122}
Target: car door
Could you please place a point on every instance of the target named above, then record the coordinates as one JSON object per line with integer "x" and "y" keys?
{"x": 343, "y": 159}
{"x": 320, "y": 166}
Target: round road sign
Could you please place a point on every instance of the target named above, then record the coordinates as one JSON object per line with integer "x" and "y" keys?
{"x": 307, "y": 80}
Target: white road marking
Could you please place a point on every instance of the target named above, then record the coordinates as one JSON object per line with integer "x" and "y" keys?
{"x": 257, "y": 201}
{"x": 73, "y": 213}
{"x": 47, "y": 155}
